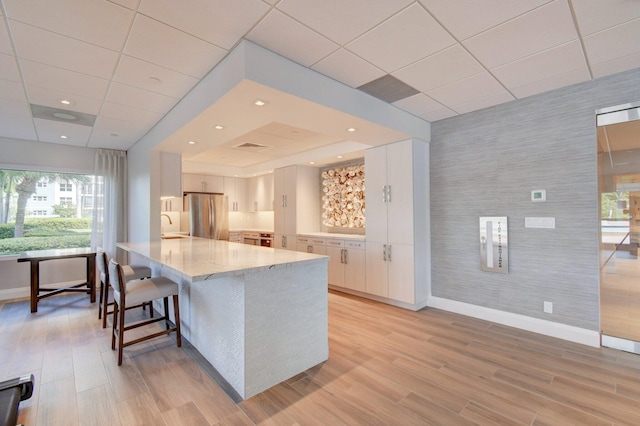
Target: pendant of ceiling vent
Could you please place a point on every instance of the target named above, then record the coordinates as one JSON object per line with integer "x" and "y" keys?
{"x": 253, "y": 147}
{"x": 388, "y": 88}
{"x": 62, "y": 115}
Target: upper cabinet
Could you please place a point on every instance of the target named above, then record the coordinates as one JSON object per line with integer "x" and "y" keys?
{"x": 235, "y": 189}
{"x": 170, "y": 181}
{"x": 260, "y": 193}
{"x": 296, "y": 203}
{"x": 202, "y": 183}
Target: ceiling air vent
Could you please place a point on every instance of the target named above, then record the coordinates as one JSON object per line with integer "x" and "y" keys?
{"x": 62, "y": 115}
{"x": 388, "y": 88}
{"x": 253, "y": 147}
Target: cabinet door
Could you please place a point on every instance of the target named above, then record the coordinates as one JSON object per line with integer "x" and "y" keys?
{"x": 213, "y": 184}
{"x": 400, "y": 184}
{"x": 192, "y": 183}
{"x": 401, "y": 277}
{"x": 355, "y": 269}
{"x": 235, "y": 189}
{"x": 290, "y": 194}
{"x": 377, "y": 268}
{"x": 170, "y": 175}
{"x": 279, "y": 189}
{"x": 336, "y": 267}
{"x": 376, "y": 180}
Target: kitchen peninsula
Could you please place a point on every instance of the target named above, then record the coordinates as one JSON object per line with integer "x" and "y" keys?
{"x": 258, "y": 315}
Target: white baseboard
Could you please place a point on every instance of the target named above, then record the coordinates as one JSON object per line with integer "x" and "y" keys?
{"x": 547, "y": 328}
{"x": 14, "y": 293}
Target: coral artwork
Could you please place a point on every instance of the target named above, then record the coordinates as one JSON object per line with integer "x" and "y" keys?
{"x": 343, "y": 197}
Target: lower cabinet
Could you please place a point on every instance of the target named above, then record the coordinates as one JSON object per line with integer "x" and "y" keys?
{"x": 389, "y": 271}
{"x": 311, "y": 245}
{"x": 286, "y": 242}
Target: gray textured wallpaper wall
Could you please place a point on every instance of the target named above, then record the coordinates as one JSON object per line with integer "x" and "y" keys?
{"x": 486, "y": 163}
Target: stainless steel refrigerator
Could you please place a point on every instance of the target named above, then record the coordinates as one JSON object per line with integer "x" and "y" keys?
{"x": 208, "y": 215}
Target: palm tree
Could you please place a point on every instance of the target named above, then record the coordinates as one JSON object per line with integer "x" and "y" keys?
{"x": 26, "y": 187}
{"x": 7, "y": 180}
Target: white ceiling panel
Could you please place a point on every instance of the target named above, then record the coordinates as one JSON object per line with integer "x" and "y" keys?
{"x": 93, "y": 21}
{"x": 560, "y": 60}
{"x": 341, "y": 20}
{"x": 16, "y": 121}
{"x": 483, "y": 102}
{"x": 12, "y": 91}
{"x": 437, "y": 70}
{"x": 348, "y": 68}
{"x": 143, "y": 118}
{"x": 43, "y": 46}
{"x": 51, "y": 98}
{"x": 541, "y": 29}
{"x": 475, "y": 87}
{"x": 597, "y": 15}
{"x": 403, "y": 39}
{"x": 465, "y": 18}
{"x": 420, "y": 105}
{"x": 202, "y": 18}
{"x": 168, "y": 47}
{"x": 51, "y": 131}
{"x": 139, "y": 98}
{"x": 115, "y": 134}
{"x": 74, "y": 83}
{"x": 5, "y": 42}
{"x": 9, "y": 68}
{"x": 157, "y": 79}
{"x": 130, "y": 4}
{"x": 617, "y": 65}
{"x": 613, "y": 43}
{"x": 282, "y": 34}
{"x": 551, "y": 83}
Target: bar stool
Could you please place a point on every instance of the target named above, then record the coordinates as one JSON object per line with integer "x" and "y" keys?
{"x": 136, "y": 292}
{"x": 131, "y": 272}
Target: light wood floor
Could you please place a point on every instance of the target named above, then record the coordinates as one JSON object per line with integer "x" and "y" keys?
{"x": 387, "y": 366}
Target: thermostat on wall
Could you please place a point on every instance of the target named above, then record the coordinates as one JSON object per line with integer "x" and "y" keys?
{"x": 538, "y": 195}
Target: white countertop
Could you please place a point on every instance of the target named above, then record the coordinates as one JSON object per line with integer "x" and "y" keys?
{"x": 198, "y": 259}
{"x": 334, "y": 235}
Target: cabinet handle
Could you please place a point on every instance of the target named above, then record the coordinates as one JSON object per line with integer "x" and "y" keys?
{"x": 255, "y": 206}
{"x": 309, "y": 249}
{"x": 284, "y": 241}
{"x": 388, "y": 193}
{"x": 346, "y": 256}
{"x": 389, "y": 253}
{"x": 384, "y": 194}
{"x": 384, "y": 252}
{"x": 286, "y": 200}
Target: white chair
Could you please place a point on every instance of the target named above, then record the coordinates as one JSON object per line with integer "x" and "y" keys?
{"x": 131, "y": 272}
{"x": 136, "y": 292}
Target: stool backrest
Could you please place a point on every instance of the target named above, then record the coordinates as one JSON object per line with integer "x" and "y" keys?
{"x": 115, "y": 275}
{"x": 101, "y": 258}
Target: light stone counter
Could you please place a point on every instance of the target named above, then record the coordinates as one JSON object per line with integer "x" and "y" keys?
{"x": 258, "y": 315}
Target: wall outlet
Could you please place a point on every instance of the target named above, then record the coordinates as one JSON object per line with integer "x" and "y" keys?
{"x": 548, "y": 307}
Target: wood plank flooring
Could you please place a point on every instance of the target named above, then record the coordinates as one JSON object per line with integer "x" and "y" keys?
{"x": 387, "y": 366}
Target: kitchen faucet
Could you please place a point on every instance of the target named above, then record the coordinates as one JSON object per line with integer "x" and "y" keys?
{"x": 168, "y": 217}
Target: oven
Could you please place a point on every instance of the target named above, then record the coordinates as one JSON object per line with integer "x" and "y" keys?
{"x": 266, "y": 239}
{"x": 251, "y": 238}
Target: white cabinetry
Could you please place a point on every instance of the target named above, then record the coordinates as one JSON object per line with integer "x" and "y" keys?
{"x": 296, "y": 205}
{"x": 235, "y": 189}
{"x": 260, "y": 193}
{"x": 311, "y": 245}
{"x": 202, "y": 183}
{"x": 347, "y": 264}
{"x": 397, "y": 233}
{"x": 170, "y": 181}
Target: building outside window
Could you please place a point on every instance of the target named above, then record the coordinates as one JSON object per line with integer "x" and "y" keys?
{"x": 66, "y": 187}
{"x": 39, "y": 198}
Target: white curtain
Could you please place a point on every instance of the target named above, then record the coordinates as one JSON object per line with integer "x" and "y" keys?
{"x": 110, "y": 206}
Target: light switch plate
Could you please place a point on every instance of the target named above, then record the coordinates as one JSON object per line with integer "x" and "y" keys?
{"x": 540, "y": 222}
{"x": 538, "y": 195}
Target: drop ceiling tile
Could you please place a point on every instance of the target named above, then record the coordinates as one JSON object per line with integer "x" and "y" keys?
{"x": 475, "y": 87}
{"x": 522, "y": 37}
{"x": 163, "y": 45}
{"x": 550, "y": 83}
{"x": 202, "y": 18}
{"x": 52, "y": 98}
{"x": 597, "y": 15}
{"x": 421, "y": 105}
{"x": 341, "y": 20}
{"x": 405, "y": 38}
{"x": 129, "y": 4}
{"x": 16, "y": 121}
{"x": 115, "y": 134}
{"x": 465, "y": 18}
{"x": 348, "y": 68}
{"x": 440, "y": 69}
{"x": 43, "y": 46}
{"x": 483, "y": 102}
{"x": 139, "y": 98}
{"x": 50, "y": 131}
{"x": 5, "y": 42}
{"x": 9, "y": 68}
{"x": 559, "y": 60}
{"x": 615, "y": 66}
{"x": 72, "y": 83}
{"x": 93, "y": 21}
{"x": 142, "y": 74}
{"x": 613, "y": 43}
{"x": 291, "y": 39}
{"x": 142, "y": 117}
{"x": 12, "y": 91}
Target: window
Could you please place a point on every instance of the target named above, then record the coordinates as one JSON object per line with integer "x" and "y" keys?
{"x": 48, "y": 220}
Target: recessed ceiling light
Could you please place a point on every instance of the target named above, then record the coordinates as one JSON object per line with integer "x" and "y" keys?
{"x": 155, "y": 80}
{"x": 339, "y": 156}
{"x": 63, "y": 137}
{"x": 312, "y": 162}
{"x": 218, "y": 127}
{"x": 351, "y": 129}
{"x": 65, "y": 102}
{"x": 192, "y": 142}
{"x": 260, "y": 102}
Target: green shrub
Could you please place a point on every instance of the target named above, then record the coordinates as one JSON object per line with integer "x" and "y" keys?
{"x": 19, "y": 245}
{"x": 46, "y": 226}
